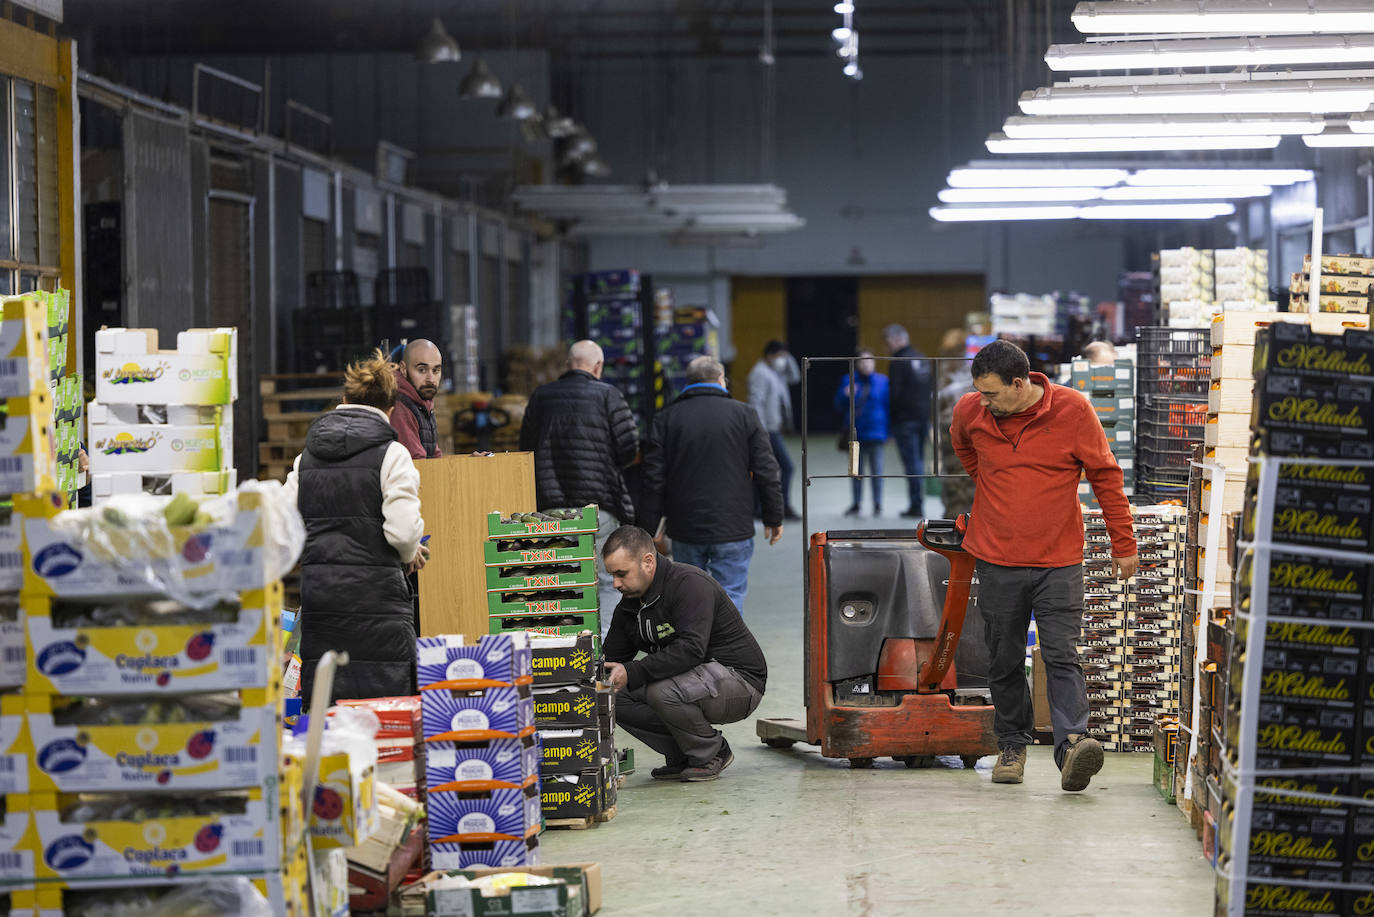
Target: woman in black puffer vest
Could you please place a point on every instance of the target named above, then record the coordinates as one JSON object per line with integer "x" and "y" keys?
{"x": 359, "y": 493}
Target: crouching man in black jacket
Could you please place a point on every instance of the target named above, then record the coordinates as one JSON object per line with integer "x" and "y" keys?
{"x": 702, "y": 665}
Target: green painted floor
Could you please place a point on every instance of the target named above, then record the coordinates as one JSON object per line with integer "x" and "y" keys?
{"x": 790, "y": 832}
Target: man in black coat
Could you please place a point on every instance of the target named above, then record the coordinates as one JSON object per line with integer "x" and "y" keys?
{"x": 583, "y": 436}
{"x": 705, "y": 454}
{"x": 909, "y": 375}
{"x": 701, "y": 663}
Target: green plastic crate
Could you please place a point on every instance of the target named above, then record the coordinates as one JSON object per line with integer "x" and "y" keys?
{"x": 537, "y": 550}
{"x": 524, "y": 577}
{"x": 496, "y": 528}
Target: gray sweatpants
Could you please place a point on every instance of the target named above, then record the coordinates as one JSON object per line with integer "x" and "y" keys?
{"x": 674, "y": 716}
{"x": 1006, "y": 597}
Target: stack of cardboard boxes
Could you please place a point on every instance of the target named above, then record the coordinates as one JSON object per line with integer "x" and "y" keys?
{"x": 541, "y": 579}
{"x": 1195, "y": 284}
{"x": 609, "y": 307}
{"x": 1297, "y": 716}
{"x": 162, "y": 420}
{"x": 1131, "y": 630}
{"x": 481, "y": 754}
{"x": 164, "y": 714}
{"x": 576, "y": 718}
{"x": 1111, "y": 389}
{"x": 1347, "y": 284}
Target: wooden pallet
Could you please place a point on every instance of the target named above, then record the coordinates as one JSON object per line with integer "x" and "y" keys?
{"x": 289, "y": 428}
{"x": 275, "y": 471}
{"x": 580, "y": 824}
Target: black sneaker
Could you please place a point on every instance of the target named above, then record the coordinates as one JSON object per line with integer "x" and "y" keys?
{"x": 669, "y": 771}
{"x": 852, "y": 511}
{"x": 912, "y": 513}
{"x": 711, "y": 770}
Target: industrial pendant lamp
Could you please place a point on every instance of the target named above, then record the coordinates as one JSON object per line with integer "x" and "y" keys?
{"x": 438, "y": 46}
{"x": 480, "y": 83}
{"x": 516, "y": 105}
{"x": 558, "y": 125}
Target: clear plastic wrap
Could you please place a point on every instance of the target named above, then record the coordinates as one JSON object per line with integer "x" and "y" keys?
{"x": 132, "y": 534}
{"x": 223, "y": 897}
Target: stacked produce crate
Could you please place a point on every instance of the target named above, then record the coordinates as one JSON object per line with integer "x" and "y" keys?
{"x": 575, "y": 714}
{"x": 1196, "y": 284}
{"x": 541, "y": 578}
{"x": 1294, "y": 826}
{"x": 145, "y": 746}
{"x": 162, "y": 420}
{"x": 481, "y": 753}
{"x": 1172, "y": 373}
{"x": 615, "y": 309}
{"x": 1111, "y": 389}
{"x": 1131, "y": 630}
{"x": 1347, "y": 284}
{"x": 691, "y": 332}
{"x": 66, "y": 395}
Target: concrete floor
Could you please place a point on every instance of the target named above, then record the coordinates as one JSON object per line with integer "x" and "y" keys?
{"x": 790, "y": 832}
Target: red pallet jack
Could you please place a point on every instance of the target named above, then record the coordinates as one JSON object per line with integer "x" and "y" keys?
{"x": 910, "y": 708}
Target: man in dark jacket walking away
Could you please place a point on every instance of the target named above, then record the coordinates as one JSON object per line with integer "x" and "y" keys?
{"x": 702, "y": 451}
{"x": 702, "y": 665}
{"x": 417, "y": 382}
{"x": 909, "y": 377}
{"x": 583, "y": 436}
{"x": 359, "y": 494}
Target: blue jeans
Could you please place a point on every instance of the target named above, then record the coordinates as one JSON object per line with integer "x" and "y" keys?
{"x": 607, "y": 596}
{"x": 871, "y": 454}
{"x": 784, "y": 466}
{"x": 727, "y": 563}
{"x": 910, "y": 437}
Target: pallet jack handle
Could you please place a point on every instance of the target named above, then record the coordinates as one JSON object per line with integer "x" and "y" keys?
{"x": 946, "y": 537}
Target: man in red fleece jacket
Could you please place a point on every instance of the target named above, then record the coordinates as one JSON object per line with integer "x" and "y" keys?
{"x": 417, "y": 382}
{"x": 1024, "y": 442}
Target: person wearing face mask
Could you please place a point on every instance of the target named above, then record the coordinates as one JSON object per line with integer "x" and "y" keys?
{"x": 1025, "y": 443}
{"x": 770, "y": 394}
{"x": 417, "y": 382}
{"x": 870, "y": 391}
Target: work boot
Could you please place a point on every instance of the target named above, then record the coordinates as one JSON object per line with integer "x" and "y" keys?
{"x": 1082, "y": 759}
{"x": 671, "y": 770}
{"x": 1011, "y": 765}
{"x": 711, "y": 770}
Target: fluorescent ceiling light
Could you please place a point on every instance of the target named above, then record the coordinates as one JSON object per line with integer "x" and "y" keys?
{"x": 1198, "y": 211}
{"x": 1184, "y": 192}
{"x": 1219, "y": 176}
{"x": 1224, "y": 16}
{"x": 1361, "y": 122}
{"x": 1336, "y": 137}
{"x": 1011, "y": 176}
{"x": 1213, "y": 79}
{"x": 1212, "y": 52}
{"x": 1176, "y": 211}
{"x": 1253, "y": 97}
{"x": 984, "y": 214}
{"x": 1023, "y": 127}
{"x": 1000, "y": 143}
{"x": 1016, "y": 195}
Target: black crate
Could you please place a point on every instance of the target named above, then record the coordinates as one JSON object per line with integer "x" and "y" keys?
{"x": 331, "y": 329}
{"x": 403, "y": 286}
{"x": 331, "y": 290}
{"x": 1173, "y": 361}
{"x": 408, "y": 323}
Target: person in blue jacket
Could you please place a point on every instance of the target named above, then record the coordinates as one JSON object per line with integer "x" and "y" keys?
{"x": 870, "y": 425}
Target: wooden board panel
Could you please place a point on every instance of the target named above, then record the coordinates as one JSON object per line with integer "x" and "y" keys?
{"x": 758, "y": 314}
{"x": 925, "y": 305}
{"x": 456, "y": 493}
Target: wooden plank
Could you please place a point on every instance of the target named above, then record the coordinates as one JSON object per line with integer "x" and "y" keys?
{"x": 30, "y": 55}
{"x": 280, "y": 452}
{"x": 1231, "y": 396}
{"x": 280, "y": 430}
{"x": 456, "y": 493}
{"x": 581, "y": 824}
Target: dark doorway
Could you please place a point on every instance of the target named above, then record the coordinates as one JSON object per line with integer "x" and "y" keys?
{"x": 822, "y": 321}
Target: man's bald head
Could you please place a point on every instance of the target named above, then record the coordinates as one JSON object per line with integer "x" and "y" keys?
{"x": 586, "y": 356}
{"x": 424, "y": 367}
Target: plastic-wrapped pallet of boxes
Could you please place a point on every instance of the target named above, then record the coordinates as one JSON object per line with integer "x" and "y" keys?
{"x": 145, "y": 746}
{"x": 1296, "y": 709}
{"x": 1111, "y": 389}
{"x": 1131, "y": 630}
{"x": 481, "y": 751}
{"x": 162, "y": 420}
